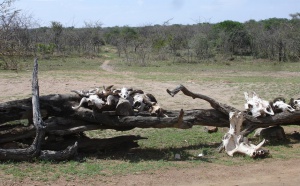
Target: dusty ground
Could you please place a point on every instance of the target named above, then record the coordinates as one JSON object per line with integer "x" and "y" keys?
{"x": 283, "y": 172}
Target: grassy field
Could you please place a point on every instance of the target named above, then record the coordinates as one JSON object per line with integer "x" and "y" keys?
{"x": 158, "y": 151}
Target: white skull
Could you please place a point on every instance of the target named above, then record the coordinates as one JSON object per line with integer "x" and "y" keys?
{"x": 96, "y": 101}
{"x": 234, "y": 142}
{"x": 257, "y": 106}
{"x": 282, "y": 106}
{"x": 91, "y": 100}
{"x": 124, "y": 93}
{"x": 138, "y": 102}
{"x": 296, "y": 104}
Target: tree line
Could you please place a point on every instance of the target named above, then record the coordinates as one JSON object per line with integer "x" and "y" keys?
{"x": 276, "y": 39}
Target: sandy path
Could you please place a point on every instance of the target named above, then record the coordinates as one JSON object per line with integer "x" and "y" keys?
{"x": 106, "y": 67}
{"x": 280, "y": 172}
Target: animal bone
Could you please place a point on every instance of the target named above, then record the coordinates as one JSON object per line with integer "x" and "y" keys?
{"x": 138, "y": 102}
{"x": 281, "y": 106}
{"x": 107, "y": 90}
{"x": 112, "y": 100}
{"x": 96, "y": 91}
{"x": 156, "y": 109}
{"x": 92, "y": 100}
{"x": 124, "y": 93}
{"x": 108, "y": 96}
{"x": 86, "y": 93}
{"x": 257, "y": 106}
{"x": 96, "y": 97}
{"x": 234, "y": 142}
{"x": 295, "y": 103}
{"x": 143, "y": 102}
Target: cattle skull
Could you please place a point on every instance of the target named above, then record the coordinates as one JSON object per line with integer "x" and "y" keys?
{"x": 86, "y": 93}
{"x": 233, "y": 142}
{"x": 124, "y": 93}
{"x": 282, "y": 106}
{"x": 138, "y": 102}
{"x": 143, "y": 102}
{"x": 107, "y": 90}
{"x": 295, "y": 103}
{"x": 92, "y": 100}
{"x": 112, "y": 100}
{"x": 257, "y": 106}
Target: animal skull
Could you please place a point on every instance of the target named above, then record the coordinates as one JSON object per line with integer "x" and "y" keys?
{"x": 234, "y": 142}
{"x": 86, "y": 93}
{"x": 257, "y": 106}
{"x": 295, "y": 103}
{"x": 282, "y": 106}
{"x": 112, "y": 100}
{"x": 138, "y": 102}
{"x": 92, "y": 100}
{"x": 125, "y": 93}
{"x": 107, "y": 90}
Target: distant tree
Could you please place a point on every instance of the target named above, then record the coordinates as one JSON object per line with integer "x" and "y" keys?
{"x": 275, "y": 35}
{"x": 15, "y": 40}
{"x": 142, "y": 45}
{"x": 178, "y": 38}
{"x": 113, "y": 37}
{"x": 57, "y": 29}
{"x": 160, "y": 41}
{"x": 201, "y": 41}
{"x": 200, "y": 44}
{"x": 128, "y": 36}
{"x": 293, "y": 38}
{"x": 231, "y": 38}
{"x": 94, "y": 33}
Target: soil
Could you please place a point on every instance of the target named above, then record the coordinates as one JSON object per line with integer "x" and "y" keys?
{"x": 280, "y": 172}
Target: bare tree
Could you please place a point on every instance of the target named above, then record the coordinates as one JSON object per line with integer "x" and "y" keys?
{"x": 15, "y": 36}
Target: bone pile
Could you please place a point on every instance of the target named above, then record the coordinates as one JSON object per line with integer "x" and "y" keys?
{"x": 107, "y": 98}
{"x": 257, "y": 106}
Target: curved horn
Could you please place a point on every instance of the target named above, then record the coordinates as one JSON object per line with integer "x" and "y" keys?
{"x": 271, "y": 112}
{"x": 83, "y": 100}
{"x": 289, "y": 108}
{"x": 260, "y": 145}
{"x": 246, "y": 96}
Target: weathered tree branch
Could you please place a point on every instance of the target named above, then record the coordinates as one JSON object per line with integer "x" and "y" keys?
{"x": 34, "y": 150}
{"x": 251, "y": 123}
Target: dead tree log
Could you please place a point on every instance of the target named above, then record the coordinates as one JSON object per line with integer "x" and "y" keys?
{"x": 64, "y": 120}
{"x": 62, "y": 117}
{"x": 250, "y": 123}
{"x": 34, "y": 150}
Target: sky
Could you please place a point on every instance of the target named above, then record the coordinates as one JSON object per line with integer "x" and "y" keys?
{"x": 150, "y": 12}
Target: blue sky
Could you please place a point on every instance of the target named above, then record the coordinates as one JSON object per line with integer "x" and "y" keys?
{"x": 150, "y": 12}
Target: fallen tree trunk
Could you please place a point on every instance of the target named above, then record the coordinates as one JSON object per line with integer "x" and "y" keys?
{"x": 250, "y": 123}
{"x": 64, "y": 120}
